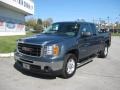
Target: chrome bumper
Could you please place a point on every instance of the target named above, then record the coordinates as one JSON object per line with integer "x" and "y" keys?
{"x": 55, "y": 66}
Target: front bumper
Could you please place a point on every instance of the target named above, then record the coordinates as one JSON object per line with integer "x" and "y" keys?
{"x": 39, "y": 64}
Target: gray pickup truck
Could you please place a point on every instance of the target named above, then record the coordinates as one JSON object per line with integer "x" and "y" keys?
{"x": 61, "y": 47}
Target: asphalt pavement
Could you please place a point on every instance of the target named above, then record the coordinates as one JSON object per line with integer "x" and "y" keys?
{"x": 100, "y": 74}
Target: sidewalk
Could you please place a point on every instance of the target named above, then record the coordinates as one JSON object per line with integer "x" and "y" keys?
{"x": 7, "y": 54}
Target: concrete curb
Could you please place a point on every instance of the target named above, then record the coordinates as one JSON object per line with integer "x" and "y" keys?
{"x": 7, "y": 54}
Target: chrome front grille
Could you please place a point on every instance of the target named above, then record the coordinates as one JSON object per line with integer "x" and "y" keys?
{"x": 29, "y": 49}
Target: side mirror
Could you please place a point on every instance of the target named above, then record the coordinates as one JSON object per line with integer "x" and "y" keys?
{"x": 86, "y": 34}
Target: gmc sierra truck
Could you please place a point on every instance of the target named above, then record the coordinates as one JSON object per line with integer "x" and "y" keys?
{"x": 61, "y": 47}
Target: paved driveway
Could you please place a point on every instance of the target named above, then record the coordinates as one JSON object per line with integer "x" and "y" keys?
{"x": 100, "y": 74}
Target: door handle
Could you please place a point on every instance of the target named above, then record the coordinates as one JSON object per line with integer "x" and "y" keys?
{"x": 87, "y": 44}
{"x": 86, "y": 39}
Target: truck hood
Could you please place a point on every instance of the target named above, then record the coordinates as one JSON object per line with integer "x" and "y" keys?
{"x": 45, "y": 39}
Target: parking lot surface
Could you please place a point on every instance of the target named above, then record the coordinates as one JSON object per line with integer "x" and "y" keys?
{"x": 100, "y": 74}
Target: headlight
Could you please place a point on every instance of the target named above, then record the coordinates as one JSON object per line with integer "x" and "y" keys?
{"x": 51, "y": 50}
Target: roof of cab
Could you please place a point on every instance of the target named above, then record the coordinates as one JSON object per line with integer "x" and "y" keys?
{"x": 73, "y": 22}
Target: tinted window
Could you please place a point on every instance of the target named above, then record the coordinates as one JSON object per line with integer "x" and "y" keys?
{"x": 70, "y": 29}
{"x": 93, "y": 28}
{"x": 86, "y": 28}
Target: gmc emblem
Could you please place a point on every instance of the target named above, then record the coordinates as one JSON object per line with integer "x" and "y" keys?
{"x": 27, "y": 49}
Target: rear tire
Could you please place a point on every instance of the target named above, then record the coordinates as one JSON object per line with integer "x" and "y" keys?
{"x": 69, "y": 66}
{"x": 103, "y": 53}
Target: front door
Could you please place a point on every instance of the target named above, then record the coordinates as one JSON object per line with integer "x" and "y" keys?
{"x": 85, "y": 43}
{"x": 84, "y": 47}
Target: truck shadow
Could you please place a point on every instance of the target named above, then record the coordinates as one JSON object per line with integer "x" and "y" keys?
{"x": 36, "y": 75}
{"x": 42, "y": 76}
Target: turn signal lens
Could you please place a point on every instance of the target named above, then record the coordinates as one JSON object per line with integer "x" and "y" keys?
{"x": 55, "y": 50}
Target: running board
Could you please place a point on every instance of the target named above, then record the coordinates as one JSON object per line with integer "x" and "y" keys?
{"x": 79, "y": 64}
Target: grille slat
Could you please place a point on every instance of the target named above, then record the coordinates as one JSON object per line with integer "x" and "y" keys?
{"x": 28, "y": 49}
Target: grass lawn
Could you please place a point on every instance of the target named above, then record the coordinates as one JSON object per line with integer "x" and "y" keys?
{"x": 115, "y": 34}
{"x": 8, "y": 43}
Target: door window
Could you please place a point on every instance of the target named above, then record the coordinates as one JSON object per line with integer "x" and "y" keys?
{"x": 86, "y": 28}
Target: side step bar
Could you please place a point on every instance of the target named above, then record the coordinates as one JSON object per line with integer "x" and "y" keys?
{"x": 85, "y": 61}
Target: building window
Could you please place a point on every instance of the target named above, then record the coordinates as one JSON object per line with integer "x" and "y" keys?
{"x": 10, "y": 25}
{"x": 1, "y": 23}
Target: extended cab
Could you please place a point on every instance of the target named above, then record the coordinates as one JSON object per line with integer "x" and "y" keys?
{"x": 59, "y": 48}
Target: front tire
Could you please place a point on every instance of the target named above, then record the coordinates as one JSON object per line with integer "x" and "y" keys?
{"x": 69, "y": 66}
{"x": 103, "y": 53}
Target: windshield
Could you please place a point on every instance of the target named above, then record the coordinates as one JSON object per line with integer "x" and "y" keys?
{"x": 70, "y": 29}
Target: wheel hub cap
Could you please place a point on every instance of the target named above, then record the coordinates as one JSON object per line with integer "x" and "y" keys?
{"x": 106, "y": 51}
{"x": 70, "y": 66}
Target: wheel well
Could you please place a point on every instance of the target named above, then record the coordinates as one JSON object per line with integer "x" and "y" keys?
{"x": 75, "y": 52}
{"x": 107, "y": 42}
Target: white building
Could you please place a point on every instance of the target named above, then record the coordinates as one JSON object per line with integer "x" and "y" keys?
{"x": 12, "y": 16}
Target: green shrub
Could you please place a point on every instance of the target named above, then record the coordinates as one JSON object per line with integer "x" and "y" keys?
{"x": 38, "y": 28}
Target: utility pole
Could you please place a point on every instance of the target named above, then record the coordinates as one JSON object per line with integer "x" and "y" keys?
{"x": 108, "y": 18}
{"x": 93, "y": 20}
{"x": 119, "y": 21}
{"x": 100, "y": 23}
